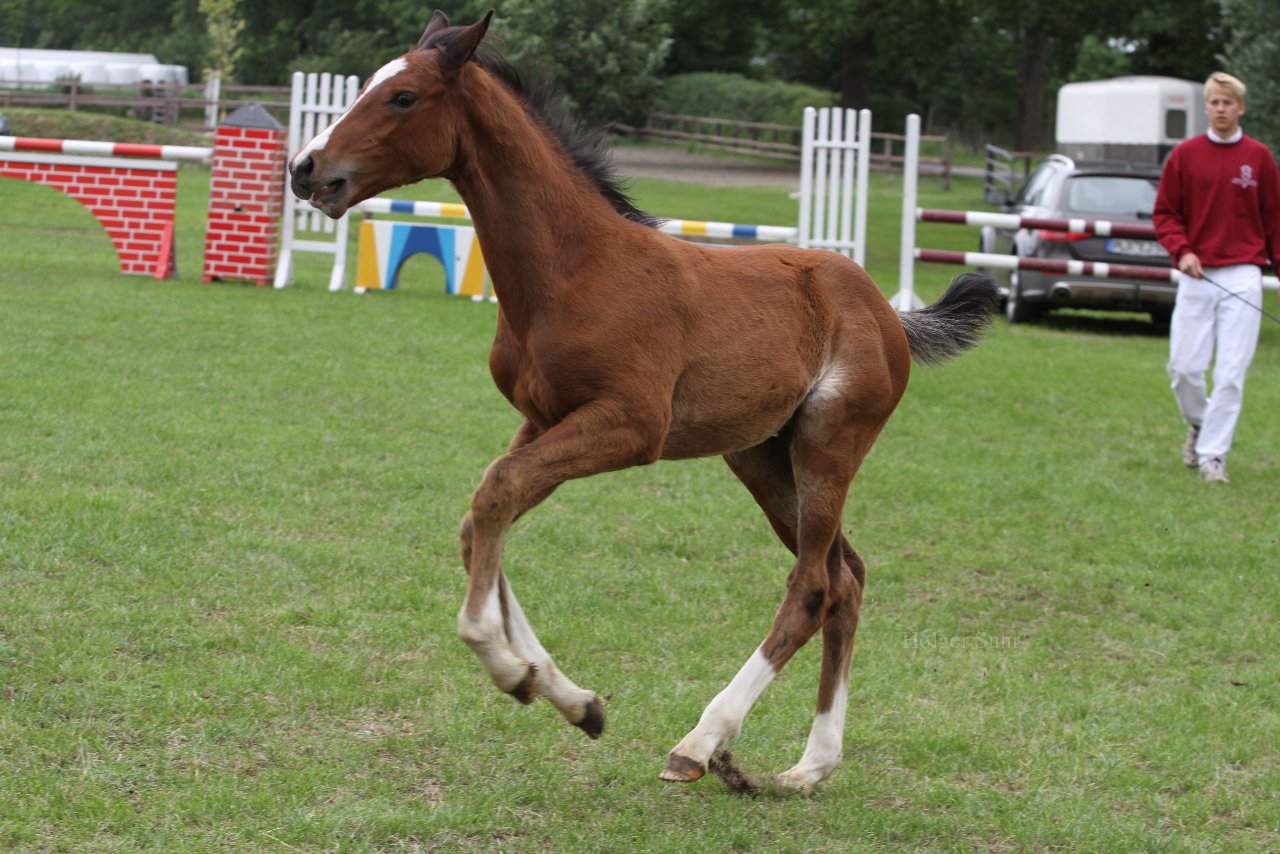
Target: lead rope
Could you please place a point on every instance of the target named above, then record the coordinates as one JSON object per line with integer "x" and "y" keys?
{"x": 1229, "y": 292}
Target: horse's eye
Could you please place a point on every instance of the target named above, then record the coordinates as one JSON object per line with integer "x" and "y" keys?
{"x": 404, "y": 100}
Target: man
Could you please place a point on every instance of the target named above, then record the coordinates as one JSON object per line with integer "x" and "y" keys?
{"x": 1217, "y": 214}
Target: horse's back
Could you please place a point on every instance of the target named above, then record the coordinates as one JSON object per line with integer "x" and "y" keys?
{"x": 772, "y": 324}
{"x": 819, "y": 301}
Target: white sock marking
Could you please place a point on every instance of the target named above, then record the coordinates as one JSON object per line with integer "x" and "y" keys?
{"x": 723, "y": 717}
{"x": 825, "y": 747}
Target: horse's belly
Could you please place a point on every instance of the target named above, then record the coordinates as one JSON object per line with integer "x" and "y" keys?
{"x": 709, "y": 425}
{"x": 684, "y": 444}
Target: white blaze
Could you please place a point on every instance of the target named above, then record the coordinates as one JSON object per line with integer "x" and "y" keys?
{"x": 382, "y": 75}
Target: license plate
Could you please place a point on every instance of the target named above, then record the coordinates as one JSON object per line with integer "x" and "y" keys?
{"x": 1140, "y": 248}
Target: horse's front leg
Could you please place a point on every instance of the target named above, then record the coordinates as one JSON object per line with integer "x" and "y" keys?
{"x": 491, "y": 621}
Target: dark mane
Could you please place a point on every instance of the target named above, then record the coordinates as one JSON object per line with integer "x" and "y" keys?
{"x": 587, "y": 147}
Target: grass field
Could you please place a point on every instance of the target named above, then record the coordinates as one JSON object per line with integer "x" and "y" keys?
{"x": 229, "y": 578}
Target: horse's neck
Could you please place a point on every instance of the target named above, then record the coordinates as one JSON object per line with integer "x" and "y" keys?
{"x": 535, "y": 214}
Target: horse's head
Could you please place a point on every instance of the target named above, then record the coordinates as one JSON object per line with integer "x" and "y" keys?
{"x": 401, "y": 129}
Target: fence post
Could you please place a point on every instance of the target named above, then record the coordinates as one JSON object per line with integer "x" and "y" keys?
{"x": 806, "y": 177}
{"x": 212, "y": 97}
{"x": 864, "y": 175}
{"x": 905, "y": 299}
{"x": 946, "y": 163}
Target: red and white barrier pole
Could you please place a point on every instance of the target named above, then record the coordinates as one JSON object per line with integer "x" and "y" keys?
{"x": 94, "y": 148}
{"x": 1048, "y": 265}
{"x": 1100, "y": 227}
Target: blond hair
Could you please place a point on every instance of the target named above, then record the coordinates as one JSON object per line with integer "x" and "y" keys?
{"x": 1221, "y": 81}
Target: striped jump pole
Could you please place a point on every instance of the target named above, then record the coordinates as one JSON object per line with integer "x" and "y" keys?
{"x": 1048, "y": 265}
{"x": 700, "y": 228}
{"x": 93, "y": 148}
{"x": 384, "y": 246}
{"x": 910, "y": 253}
{"x": 130, "y": 188}
{"x": 443, "y": 210}
{"x": 1100, "y": 227}
{"x": 674, "y": 227}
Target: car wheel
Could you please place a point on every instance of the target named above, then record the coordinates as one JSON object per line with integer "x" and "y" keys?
{"x": 1018, "y": 310}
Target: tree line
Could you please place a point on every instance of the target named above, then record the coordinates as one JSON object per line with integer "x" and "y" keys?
{"x": 982, "y": 70}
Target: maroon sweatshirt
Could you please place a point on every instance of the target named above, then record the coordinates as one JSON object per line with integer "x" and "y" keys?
{"x": 1220, "y": 201}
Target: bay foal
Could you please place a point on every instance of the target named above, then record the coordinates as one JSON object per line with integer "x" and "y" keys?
{"x": 621, "y": 346}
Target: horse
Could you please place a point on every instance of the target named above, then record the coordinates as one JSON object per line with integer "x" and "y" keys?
{"x": 621, "y": 346}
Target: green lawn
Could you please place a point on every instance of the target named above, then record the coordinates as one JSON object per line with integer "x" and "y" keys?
{"x": 228, "y": 557}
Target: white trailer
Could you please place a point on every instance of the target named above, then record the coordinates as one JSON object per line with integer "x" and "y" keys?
{"x": 1137, "y": 119}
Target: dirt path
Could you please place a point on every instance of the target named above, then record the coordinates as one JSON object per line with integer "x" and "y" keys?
{"x": 677, "y": 165}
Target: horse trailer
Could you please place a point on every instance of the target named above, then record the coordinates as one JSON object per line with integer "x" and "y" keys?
{"x": 1135, "y": 119}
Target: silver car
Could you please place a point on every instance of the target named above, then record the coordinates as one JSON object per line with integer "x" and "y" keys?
{"x": 1060, "y": 188}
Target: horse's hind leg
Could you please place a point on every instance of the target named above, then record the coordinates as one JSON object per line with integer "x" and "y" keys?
{"x": 825, "y": 747}
{"x": 823, "y": 590}
{"x": 766, "y": 471}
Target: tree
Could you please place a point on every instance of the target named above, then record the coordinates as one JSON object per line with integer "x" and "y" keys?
{"x": 717, "y": 35}
{"x": 225, "y": 27}
{"x": 1252, "y": 53}
{"x": 605, "y": 55}
{"x": 923, "y": 56}
{"x": 1176, "y": 38}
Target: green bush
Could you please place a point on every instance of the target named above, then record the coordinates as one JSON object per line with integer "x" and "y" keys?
{"x": 605, "y": 56}
{"x": 732, "y": 96}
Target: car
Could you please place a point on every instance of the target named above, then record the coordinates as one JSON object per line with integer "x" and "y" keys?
{"x": 1061, "y": 188}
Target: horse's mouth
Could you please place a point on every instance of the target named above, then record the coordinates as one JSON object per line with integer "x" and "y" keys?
{"x": 330, "y": 199}
{"x": 325, "y": 194}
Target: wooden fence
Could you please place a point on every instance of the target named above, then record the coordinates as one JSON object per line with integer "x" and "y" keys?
{"x": 198, "y": 106}
{"x": 781, "y": 142}
{"x": 201, "y": 107}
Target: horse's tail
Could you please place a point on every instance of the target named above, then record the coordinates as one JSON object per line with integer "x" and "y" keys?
{"x": 955, "y": 322}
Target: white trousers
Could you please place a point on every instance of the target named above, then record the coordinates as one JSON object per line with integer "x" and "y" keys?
{"x": 1206, "y": 316}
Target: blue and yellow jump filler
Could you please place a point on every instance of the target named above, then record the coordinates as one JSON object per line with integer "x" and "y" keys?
{"x": 385, "y": 245}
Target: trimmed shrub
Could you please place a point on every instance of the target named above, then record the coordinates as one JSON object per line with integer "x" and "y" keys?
{"x": 733, "y": 96}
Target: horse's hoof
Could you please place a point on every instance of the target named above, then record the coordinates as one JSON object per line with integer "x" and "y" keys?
{"x": 803, "y": 780}
{"x": 682, "y": 770}
{"x": 592, "y": 722}
{"x": 527, "y": 691}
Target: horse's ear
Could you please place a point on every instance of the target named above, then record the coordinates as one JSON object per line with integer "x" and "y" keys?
{"x": 437, "y": 23}
{"x": 462, "y": 47}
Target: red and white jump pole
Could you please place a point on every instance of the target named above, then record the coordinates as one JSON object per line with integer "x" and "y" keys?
{"x": 905, "y": 299}
{"x": 93, "y": 148}
{"x": 130, "y": 189}
{"x": 1100, "y": 227}
{"x": 1048, "y": 265}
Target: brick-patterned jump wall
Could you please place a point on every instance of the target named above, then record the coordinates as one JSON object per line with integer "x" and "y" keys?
{"x": 245, "y": 197}
{"x": 133, "y": 199}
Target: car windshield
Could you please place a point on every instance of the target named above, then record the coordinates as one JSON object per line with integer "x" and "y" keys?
{"x": 1115, "y": 195}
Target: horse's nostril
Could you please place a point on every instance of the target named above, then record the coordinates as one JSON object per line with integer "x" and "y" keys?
{"x": 303, "y": 169}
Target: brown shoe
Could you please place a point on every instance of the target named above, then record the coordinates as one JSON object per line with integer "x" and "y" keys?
{"x": 1189, "y": 458}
